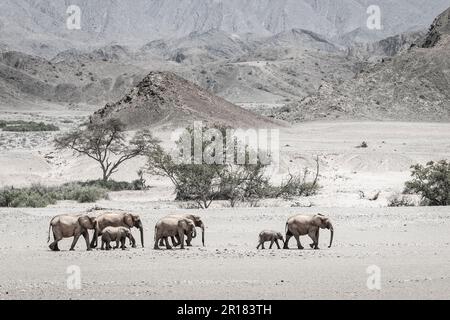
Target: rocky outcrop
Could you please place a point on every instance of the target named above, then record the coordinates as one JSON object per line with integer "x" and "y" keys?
{"x": 165, "y": 99}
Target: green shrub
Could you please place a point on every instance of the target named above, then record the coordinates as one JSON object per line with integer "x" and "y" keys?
{"x": 431, "y": 182}
{"x": 88, "y": 194}
{"x": 110, "y": 185}
{"x": 38, "y": 196}
{"x": 400, "y": 201}
{"x": 26, "y": 126}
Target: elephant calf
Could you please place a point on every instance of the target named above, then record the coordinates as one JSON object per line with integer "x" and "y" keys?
{"x": 271, "y": 236}
{"x": 117, "y": 234}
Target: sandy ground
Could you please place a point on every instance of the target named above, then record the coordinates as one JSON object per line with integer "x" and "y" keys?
{"x": 411, "y": 246}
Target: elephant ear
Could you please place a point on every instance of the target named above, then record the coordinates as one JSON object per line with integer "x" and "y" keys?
{"x": 86, "y": 222}
{"x": 183, "y": 223}
{"x": 318, "y": 220}
{"x": 128, "y": 220}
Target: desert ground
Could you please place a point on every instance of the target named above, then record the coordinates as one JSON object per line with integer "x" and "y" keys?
{"x": 411, "y": 246}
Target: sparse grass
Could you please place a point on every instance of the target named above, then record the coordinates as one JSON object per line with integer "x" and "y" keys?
{"x": 26, "y": 126}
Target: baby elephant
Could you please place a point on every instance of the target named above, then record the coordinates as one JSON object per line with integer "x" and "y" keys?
{"x": 271, "y": 236}
{"x": 117, "y": 234}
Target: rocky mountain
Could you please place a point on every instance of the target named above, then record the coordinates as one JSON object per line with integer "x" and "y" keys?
{"x": 165, "y": 99}
{"x": 39, "y": 26}
{"x": 412, "y": 85}
{"x": 78, "y": 78}
{"x": 439, "y": 28}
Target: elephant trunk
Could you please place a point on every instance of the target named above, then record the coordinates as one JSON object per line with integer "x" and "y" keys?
{"x": 194, "y": 233}
{"x": 203, "y": 234}
{"x": 141, "y": 230}
{"x": 332, "y": 234}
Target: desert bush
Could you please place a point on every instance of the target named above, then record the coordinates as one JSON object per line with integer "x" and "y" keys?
{"x": 140, "y": 183}
{"x": 205, "y": 183}
{"x": 431, "y": 182}
{"x": 297, "y": 185}
{"x": 85, "y": 194}
{"x": 39, "y": 196}
{"x": 110, "y": 185}
{"x": 26, "y": 126}
{"x": 400, "y": 200}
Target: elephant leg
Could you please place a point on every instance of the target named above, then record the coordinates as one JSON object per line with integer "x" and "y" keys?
{"x": 160, "y": 240}
{"x": 299, "y": 245}
{"x": 94, "y": 242}
{"x": 271, "y": 244}
{"x": 166, "y": 240}
{"x": 175, "y": 241}
{"x": 74, "y": 242}
{"x": 314, "y": 235}
{"x": 288, "y": 237}
{"x": 86, "y": 238}
{"x": 57, "y": 236}
{"x": 118, "y": 242}
{"x": 123, "y": 247}
{"x": 189, "y": 240}
{"x": 108, "y": 246}
{"x": 181, "y": 236}
{"x": 262, "y": 245}
{"x": 103, "y": 245}
{"x": 132, "y": 241}
{"x": 278, "y": 245}
{"x": 259, "y": 245}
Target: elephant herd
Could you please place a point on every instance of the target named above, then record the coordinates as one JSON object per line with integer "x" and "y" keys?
{"x": 178, "y": 228}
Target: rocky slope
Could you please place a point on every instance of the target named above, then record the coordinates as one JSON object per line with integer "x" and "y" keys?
{"x": 165, "y": 99}
{"x": 413, "y": 85}
{"x": 439, "y": 28}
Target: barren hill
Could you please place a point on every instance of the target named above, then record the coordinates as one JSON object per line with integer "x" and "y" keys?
{"x": 165, "y": 99}
{"x": 413, "y": 85}
{"x": 439, "y": 28}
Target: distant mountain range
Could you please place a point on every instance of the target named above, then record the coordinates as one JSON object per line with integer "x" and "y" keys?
{"x": 311, "y": 68}
{"x": 39, "y": 26}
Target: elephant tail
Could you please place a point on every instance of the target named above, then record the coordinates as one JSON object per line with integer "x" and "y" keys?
{"x": 287, "y": 227}
{"x": 49, "y": 229}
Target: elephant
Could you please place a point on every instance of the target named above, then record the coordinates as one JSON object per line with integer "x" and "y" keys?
{"x": 66, "y": 226}
{"x": 197, "y": 222}
{"x": 271, "y": 236}
{"x": 117, "y": 234}
{"x": 307, "y": 225}
{"x": 114, "y": 219}
{"x": 172, "y": 227}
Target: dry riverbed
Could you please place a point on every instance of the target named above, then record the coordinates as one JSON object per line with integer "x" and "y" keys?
{"x": 411, "y": 246}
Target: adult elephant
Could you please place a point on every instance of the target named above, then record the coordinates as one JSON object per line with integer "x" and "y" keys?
{"x": 67, "y": 226}
{"x": 172, "y": 227}
{"x": 117, "y": 219}
{"x": 307, "y": 225}
{"x": 198, "y": 222}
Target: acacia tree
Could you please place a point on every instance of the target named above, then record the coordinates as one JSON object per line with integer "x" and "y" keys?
{"x": 107, "y": 144}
